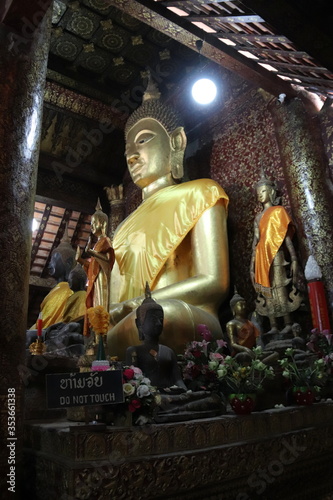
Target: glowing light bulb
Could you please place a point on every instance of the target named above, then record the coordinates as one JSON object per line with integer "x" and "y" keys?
{"x": 204, "y": 91}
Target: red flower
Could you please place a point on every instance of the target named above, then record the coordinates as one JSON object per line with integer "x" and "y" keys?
{"x": 196, "y": 354}
{"x": 134, "y": 405}
{"x": 204, "y": 332}
{"x": 128, "y": 374}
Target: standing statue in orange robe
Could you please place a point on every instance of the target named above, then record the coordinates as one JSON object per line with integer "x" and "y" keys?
{"x": 100, "y": 264}
{"x": 273, "y": 277}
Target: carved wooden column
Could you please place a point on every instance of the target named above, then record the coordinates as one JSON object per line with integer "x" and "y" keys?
{"x": 306, "y": 173}
{"x": 24, "y": 37}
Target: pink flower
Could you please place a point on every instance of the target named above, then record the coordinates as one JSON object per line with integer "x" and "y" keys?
{"x": 215, "y": 356}
{"x": 204, "y": 332}
{"x": 221, "y": 343}
{"x": 136, "y": 370}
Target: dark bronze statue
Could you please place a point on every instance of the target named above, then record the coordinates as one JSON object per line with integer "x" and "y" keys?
{"x": 157, "y": 362}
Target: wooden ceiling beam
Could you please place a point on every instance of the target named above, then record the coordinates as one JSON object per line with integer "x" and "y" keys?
{"x": 251, "y": 38}
{"x": 57, "y": 238}
{"x": 178, "y": 3}
{"x": 249, "y": 18}
{"x": 40, "y": 233}
{"x": 299, "y": 26}
{"x": 299, "y": 67}
{"x": 178, "y": 28}
{"x": 274, "y": 52}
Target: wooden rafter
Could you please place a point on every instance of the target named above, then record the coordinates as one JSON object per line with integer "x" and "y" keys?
{"x": 226, "y": 19}
{"x": 40, "y": 233}
{"x": 58, "y": 237}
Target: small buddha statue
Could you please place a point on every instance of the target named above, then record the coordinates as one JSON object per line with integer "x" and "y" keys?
{"x": 100, "y": 265}
{"x": 176, "y": 239}
{"x": 272, "y": 276}
{"x": 242, "y": 333}
{"x": 157, "y": 362}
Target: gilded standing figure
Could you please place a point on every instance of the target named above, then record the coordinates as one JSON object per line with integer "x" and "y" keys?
{"x": 100, "y": 265}
{"x": 273, "y": 277}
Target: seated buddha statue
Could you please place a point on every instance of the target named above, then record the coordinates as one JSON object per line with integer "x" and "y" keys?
{"x": 176, "y": 240}
{"x": 242, "y": 333}
{"x": 61, "y": 263}
{"x": 157, "y": 361}
{"x": 274, "y": 266}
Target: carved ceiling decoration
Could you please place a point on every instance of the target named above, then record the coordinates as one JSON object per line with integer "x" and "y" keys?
{"x": 95, "y": 42}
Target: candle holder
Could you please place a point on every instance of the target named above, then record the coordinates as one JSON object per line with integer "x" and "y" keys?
{"x": 37, "y": 348}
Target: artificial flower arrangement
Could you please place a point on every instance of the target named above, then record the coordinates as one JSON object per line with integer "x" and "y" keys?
{"x": 140, "y": 396}
{"x": 307, "y": 374}
{"x": 99, "y": 319}
{"x": 321, "y": 344}
{"x": 201, "y": 361}
{"x": 244, "y": 373}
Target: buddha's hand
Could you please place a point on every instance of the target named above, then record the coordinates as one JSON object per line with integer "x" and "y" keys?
{"x": 78, "y": 253}
{"x": 88, "y": 245}
{"x": 121, "y": 310}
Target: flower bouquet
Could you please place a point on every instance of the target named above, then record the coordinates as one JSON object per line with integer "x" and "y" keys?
{"x": 321, "y": 344}
{"x": 201, "y": 361}
{"x": 242, "y": 378}
{"x": 306, "y": 375}
{"x": 140, "y": 396}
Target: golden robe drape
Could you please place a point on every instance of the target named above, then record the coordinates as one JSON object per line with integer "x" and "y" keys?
{"x": 148, "y": 237}
{"x": 273, "y": 228}
{"x": 53, "y": 305}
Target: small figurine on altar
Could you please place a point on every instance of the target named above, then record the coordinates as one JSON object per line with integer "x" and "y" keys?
{"x": 274, "y": 266}
{"x": 100, "y": 264}
{"x": 157, "y": 362}
{"x": 242, "y": 333}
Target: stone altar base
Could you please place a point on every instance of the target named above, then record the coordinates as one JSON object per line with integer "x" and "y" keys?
{"x": 275, "y": 454}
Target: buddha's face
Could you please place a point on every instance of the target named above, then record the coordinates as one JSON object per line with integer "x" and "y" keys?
{"x": 152, "y": 325}
{"x": 148, "y": 152}
{"x": 97, "y": 225}
{"x": 56, "y": 265}
{"x": 240, "y": 308}
{"x": 264, "y": 193}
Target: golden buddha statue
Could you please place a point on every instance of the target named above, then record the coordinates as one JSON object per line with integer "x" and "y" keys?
{"x": 273, "y": 278}
{"x": 176, "y": 240}
{"x": 242, "y": 333}
{"x": 100, "y": 265}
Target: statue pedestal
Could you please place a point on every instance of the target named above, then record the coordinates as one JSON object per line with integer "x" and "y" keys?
{"x": 281, "y": 453}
